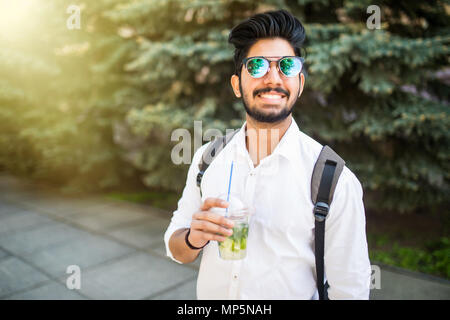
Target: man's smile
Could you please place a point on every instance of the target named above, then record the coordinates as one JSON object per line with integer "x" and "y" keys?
{"x": 271, "y": 97}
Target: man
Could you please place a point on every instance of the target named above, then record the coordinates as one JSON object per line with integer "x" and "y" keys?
{"x": 273, "y": 169}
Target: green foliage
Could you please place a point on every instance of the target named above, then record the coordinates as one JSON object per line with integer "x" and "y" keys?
{"x": 158, "y": 199}
{"x": 55, "y": 106}
{"x": 433, "y": 259}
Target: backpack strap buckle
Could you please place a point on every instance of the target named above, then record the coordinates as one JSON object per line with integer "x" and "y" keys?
{"x": 199, "y": 178}
{"x": 321, "y": 211}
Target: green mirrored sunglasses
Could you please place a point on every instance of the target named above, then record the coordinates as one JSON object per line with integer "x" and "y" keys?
{"x": 258, "y": 67}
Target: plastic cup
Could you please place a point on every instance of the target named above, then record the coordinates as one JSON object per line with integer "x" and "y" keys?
{"x": 235, "y": 246}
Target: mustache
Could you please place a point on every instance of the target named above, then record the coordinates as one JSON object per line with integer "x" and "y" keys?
{"x": 264, "y": 90}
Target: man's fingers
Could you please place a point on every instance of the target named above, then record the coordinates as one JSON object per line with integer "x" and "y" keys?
{"x": 213, "y": 202}
{"x": 213, "y": 217}
{"x": 210, "y": 227}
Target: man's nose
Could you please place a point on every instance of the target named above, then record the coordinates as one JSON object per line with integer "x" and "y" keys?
{"x": 272, "y": 76}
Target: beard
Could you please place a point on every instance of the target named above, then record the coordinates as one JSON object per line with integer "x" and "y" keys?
{"x": 260, "y": 116}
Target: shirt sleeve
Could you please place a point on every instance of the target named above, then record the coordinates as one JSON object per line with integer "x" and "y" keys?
{"x": 347, "y": 265}
{"x": 189, "y": 203}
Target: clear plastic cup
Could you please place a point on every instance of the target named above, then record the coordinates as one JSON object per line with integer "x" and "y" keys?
{"x": 235, "y": 246}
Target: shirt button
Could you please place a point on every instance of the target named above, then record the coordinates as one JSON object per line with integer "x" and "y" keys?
{"x": 235, "y": 277}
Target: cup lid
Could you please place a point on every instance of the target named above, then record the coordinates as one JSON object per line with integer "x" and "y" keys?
{"x": 235, "y": 203}
{"x": 236, "y": 208}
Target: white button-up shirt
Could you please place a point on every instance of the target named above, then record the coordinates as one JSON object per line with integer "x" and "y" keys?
{"x": 280, "y": 262}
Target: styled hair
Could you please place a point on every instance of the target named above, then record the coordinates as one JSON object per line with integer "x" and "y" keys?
{"x": 265, "y": 25}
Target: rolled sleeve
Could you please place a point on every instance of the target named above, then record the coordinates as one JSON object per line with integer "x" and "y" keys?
{"x": 347, "y": 265}
{"x": 188, "y": 204}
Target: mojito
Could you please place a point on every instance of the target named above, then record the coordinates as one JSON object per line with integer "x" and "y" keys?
{"x": 235, "y": 246}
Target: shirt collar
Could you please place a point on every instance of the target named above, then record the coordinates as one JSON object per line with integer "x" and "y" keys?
{"x": 288, "y": 146}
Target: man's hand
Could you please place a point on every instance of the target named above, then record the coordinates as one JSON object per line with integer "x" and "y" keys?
{"x": 207, "y": 225}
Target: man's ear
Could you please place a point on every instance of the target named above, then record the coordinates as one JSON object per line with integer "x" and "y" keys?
{"x": 235, "y": 85}
{"x": 302, "y": 84}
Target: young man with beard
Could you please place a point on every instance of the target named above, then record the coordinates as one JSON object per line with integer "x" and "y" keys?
{"x": 273, "y": 169}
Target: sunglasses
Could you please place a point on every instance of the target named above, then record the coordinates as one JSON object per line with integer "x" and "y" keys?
{"x": 258, "y": 67}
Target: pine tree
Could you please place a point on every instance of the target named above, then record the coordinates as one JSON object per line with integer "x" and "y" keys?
{"x": 141, "y": 69}
{"x": 56, "y": 110}
{"x": 384, "y": 101}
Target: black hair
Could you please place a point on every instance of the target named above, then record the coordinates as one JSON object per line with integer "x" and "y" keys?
{"x": 269, "y": 24}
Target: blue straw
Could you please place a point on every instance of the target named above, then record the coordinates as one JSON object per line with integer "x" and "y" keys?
{"x": 229, "y": 186}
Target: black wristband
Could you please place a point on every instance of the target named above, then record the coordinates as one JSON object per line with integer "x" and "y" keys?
{"x": 189, "y": 244}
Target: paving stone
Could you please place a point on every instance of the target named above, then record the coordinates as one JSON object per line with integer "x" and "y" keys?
{"x": 185, "y": 291}
{"x": 405, "y": 285}
{"x": 3, "y": 254}
{"x": 142, "y": 235}
{"x": 160, "y": 249}
{"x": 19, "y": 195}
{"x": 41, "y": 237}
{"x": 9, "y": 208}
{"x": 50, "y": 291}
{"x": 108, "y": 218}
{"x": 10, "y": 186}
{"x": 16, "y": 275}
{"x": 64, "y": 207}
{"x": 61, "y": 206}
{"x": 84, "y": 252}
{"x": 135, "y": 277}
{"x": 20, "y": 220}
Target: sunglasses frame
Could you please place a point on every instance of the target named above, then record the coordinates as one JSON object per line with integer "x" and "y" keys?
{"x": 246, "y": 60}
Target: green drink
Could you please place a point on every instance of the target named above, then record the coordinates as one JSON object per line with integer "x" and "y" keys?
{"x": 235, "y": 246}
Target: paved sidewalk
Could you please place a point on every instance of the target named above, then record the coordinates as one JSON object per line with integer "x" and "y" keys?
{"x": 120, "y": 251}
{"x": 118, "y": 246}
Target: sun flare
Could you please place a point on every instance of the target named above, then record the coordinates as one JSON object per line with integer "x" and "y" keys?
{"x": 16, "y": 17}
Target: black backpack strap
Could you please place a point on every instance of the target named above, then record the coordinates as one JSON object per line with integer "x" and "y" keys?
{"x": 211, "y": 152}
{"x": 326, "y": 173}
